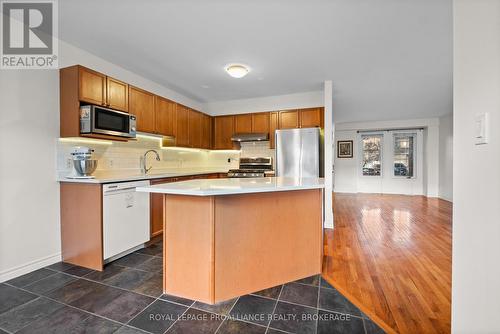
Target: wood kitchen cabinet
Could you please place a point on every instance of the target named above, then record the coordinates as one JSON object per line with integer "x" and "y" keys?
{"x": 116, "y": 94}
{"x": 206, "y": 131}
{"x": 243, "y": 123}
{"x": 165, "y": 116}
{"x": 97, "y": 88}
{"x": 311, "y": 117}
{"x": 273, "y": 126}
{"x": 288, "y": 119}
{"x": 194, "y": 128}
{"x": 156, "y": 208}
{"x": 182, "y": 133}
{"x": 223, "y": 131}
{"x": 260, "y": 122}
{"x": 142, "y": 105}
{"x": 92, "y": 86}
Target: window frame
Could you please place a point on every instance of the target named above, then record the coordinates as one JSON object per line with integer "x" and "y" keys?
{"x": 361, "y": 150}
{"x": 415, "y": 139}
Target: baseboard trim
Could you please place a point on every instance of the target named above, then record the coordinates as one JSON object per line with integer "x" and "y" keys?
{"x": 29, "y": 267}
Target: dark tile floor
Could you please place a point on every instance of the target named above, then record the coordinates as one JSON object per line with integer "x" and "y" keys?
{"x": 126, "y": 298}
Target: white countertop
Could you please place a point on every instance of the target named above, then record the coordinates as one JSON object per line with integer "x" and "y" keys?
{"x": 214, "y": 187}
{"x": 111, "y": 177}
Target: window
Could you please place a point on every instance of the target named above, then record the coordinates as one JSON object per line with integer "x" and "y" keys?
{"x": 404, "y": 155}
{"x": 372, "y": 155}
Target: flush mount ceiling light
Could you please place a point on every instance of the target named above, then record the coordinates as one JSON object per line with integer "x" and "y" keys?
{"x": 237, "y": 70}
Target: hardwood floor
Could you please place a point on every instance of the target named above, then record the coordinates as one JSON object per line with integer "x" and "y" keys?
{"x": 391, "y": 256}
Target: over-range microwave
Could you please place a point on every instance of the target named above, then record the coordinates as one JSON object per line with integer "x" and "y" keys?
{"x": 100, "y": 120}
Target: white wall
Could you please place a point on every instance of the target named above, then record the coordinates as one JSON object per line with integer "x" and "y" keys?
{"x": 347, "y": 171}
{"x": 29, "y": 195}
{"x": 476, "y": 181}
{"x": 446, "y": 157}
{"x": 268, "y": 103}
{"x": 29, "y": 127}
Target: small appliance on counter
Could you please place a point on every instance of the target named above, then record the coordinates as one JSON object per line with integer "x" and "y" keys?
{"x": 253, "y": 167}
{"x": 83, "y": 163}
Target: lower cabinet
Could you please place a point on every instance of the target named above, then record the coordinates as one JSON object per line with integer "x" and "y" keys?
{"x": 156, "y": 201}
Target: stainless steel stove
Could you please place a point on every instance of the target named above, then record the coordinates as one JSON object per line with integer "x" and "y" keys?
{"x": 253, "y": 167}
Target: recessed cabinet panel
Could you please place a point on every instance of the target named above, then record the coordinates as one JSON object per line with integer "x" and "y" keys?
{"x": 194, "y": 129}
{"x": 224, "y": 130}
{"x": 92, "y": 86}
{"x": 165, "y": 115}
{"x": 116, "y": 94}
{"x": 243, "y": 123}
{"x": 206, "y": 131}
{"x": 141, "y": 104}
{"x": 182, "y": 133}
{"x": 311, "y": 117}
{"x": 289, "y": 119}
{"x": 260, "y": 122}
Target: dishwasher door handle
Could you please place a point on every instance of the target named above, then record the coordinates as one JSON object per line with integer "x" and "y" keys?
{"x": 119, "y": 191}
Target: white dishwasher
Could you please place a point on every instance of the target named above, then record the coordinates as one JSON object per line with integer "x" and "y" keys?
{"x": 125, "y": 217}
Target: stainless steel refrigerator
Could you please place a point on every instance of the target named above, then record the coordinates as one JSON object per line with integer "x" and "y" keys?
{"x": 299, "y": 152}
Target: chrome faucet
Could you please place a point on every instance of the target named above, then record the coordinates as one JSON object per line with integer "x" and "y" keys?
{"x": 145, "y": 170}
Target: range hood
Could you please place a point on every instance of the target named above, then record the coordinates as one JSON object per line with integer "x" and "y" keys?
{"x": 245, "y": 137}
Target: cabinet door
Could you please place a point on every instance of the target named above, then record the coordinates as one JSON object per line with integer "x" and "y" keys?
{"x": 224, "y": 129}
{"x": 182, "y": 133}
{"x": 194, "y": 129}
{"x": 311, "y": 117}
{"x": 116, "y": 94}
{"x": 288, "y": 119}
{"x": 206, "y": 131}
{"x": 243, "y": 123}
{"x": 142, "y": 105}
{"x": 165, "y": 116}
{"x": 92, "y": 86}
{"x": 260, "y": 122}
{"x": 273, "y": 125}
{"x": 156, "y": 209}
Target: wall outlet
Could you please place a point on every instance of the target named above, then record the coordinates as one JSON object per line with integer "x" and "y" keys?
{"x": 69, "y": 163}
{"x": 110, "y": 163}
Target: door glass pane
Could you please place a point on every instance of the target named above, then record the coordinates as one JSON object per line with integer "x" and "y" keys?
{"x": 404, "y": 157}
{"x": 372, "y": 154}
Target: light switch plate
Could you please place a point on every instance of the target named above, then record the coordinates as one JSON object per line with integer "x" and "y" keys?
{"x": 481, "y": 129}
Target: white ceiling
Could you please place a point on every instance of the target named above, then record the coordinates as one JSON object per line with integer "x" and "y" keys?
{"x": 388, "y": 59}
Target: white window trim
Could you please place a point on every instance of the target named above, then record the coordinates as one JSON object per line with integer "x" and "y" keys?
{"x": 415, "y": 140}
{"x": 360, "y": 148}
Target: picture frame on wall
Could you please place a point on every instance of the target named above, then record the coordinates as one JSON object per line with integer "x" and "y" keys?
{"x": 344, "y": 149}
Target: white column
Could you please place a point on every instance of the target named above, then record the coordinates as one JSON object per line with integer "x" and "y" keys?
{"x": 328, "y": 144}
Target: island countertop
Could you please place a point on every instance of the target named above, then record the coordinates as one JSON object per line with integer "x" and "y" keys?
{"x": 232, "y": 186}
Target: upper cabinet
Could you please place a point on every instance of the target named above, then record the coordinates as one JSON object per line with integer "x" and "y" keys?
{"x": 273, "y": 126}
{"x": 223, "y": 131}
{"x": 97, "y": 88}
{"x": 206, "y": 131}
{"x": 260, "y": 122}
{"x": 165, "y": 116}
{"x": 243, "y": 123}
{"x": 288, "y": 119}
{"x": 182, "y": 133}
{"x": 194, "y": 128}
{"x": 311, "y": 117}
{"x": 92, "y": 86}
{"x": 142, "y": 105}
{"x": 116, "y": 94}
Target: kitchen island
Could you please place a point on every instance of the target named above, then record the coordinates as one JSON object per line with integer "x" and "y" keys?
{"x": 225, "y": 238}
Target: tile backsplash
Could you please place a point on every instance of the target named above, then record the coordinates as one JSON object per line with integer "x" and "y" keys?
{"x": 126, "y": 156}
{"x": 257, "y": 149}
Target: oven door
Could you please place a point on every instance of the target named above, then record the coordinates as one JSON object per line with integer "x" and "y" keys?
{"x": 111, "y": 122}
